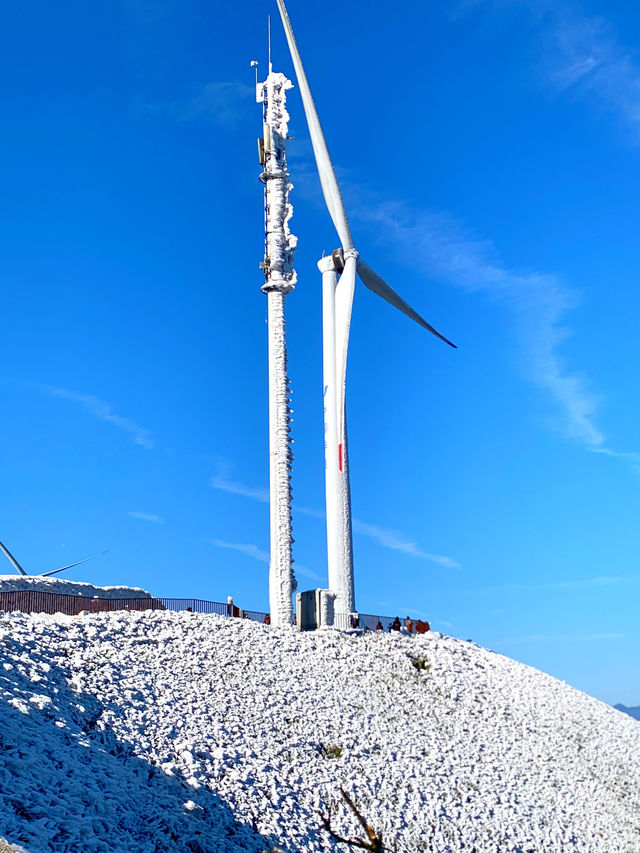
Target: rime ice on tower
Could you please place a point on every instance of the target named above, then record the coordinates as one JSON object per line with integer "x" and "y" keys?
{"x": 280, "y": 279}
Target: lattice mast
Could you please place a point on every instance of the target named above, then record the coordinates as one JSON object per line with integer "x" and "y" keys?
{"x": 280, "y": 279}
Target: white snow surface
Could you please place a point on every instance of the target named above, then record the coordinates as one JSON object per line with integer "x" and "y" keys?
{"x": 160, "y": 731}
{"x": 9, "y": 583}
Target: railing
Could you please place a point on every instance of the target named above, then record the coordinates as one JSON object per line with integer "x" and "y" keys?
{"x": 371, "y": 622}
{"x": 199, "y": 605}
{"x": 196, "y": 605}
{"x": 32, "y": 601}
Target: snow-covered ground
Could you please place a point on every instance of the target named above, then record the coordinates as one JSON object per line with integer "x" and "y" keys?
{"x": 9, "y": 583}
{"x": 159, "y": 731}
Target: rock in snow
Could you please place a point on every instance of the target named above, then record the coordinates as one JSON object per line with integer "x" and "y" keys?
{"x": 160, "y": 731}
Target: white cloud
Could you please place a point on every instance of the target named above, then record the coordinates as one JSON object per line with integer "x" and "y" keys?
{"x": 632, "y": 458}
{"x": 259, "y": 554}
{"x": 103, "y": 411}
{"x": 411, "y": 611}
{"x": 220, "y": 481}
{"x": 307, "y": 510}
{"x": 307, "y": 573}
{"x": 248, "y": 550}
{"x": 437, "y": 245}
{"x": 387, "y": 538}
{"x": 582, "y": 55}
{"x": 538, "y": 302}
{"x": 147, "y": 516}
{"x": 397, "y": 542}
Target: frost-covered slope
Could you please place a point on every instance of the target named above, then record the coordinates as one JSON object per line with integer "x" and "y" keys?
{"x": 60, "y": 586}
{"x": 161, "y": 731}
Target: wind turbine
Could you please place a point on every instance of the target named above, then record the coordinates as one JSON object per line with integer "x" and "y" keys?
{"x": 16, "y": 564}
{"x": 338, "y": 283}
{"x": 280, "y": 279}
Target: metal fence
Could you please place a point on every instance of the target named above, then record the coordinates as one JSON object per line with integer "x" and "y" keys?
{"x": 371, "y": 622}
{"x": 32, "y": 601}
{"x": 196, "y": 605}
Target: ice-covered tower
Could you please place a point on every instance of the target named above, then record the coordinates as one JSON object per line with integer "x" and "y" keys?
{"x": 280, "y": 279}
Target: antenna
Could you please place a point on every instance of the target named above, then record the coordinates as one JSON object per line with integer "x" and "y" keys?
{"x": 269, "y": 39}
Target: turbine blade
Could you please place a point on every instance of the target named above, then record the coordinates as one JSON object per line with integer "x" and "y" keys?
{"x": 372, "y": 280}
{"x": 71, "y": 565}
{"x": 328, "y": 180}
{"x": 12, "y": 559}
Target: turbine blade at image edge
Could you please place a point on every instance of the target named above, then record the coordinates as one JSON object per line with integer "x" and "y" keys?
{"x": 378, "y": 285}
{"x": 12, "y": 559}
{"x": 71, "y": 565}
{"x": 326, "y": 172}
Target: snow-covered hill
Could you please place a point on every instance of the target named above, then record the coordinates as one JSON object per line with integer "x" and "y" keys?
{"x": 61, "y": 586}
{"x": 182, "y": 732}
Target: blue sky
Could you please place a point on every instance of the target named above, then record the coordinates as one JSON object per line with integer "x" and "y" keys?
{"x": 489, "y": 154}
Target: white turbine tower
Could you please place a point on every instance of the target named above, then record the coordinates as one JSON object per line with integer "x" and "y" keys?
{"x": 280, "y": 279}
{"x": 338, "y": 283}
